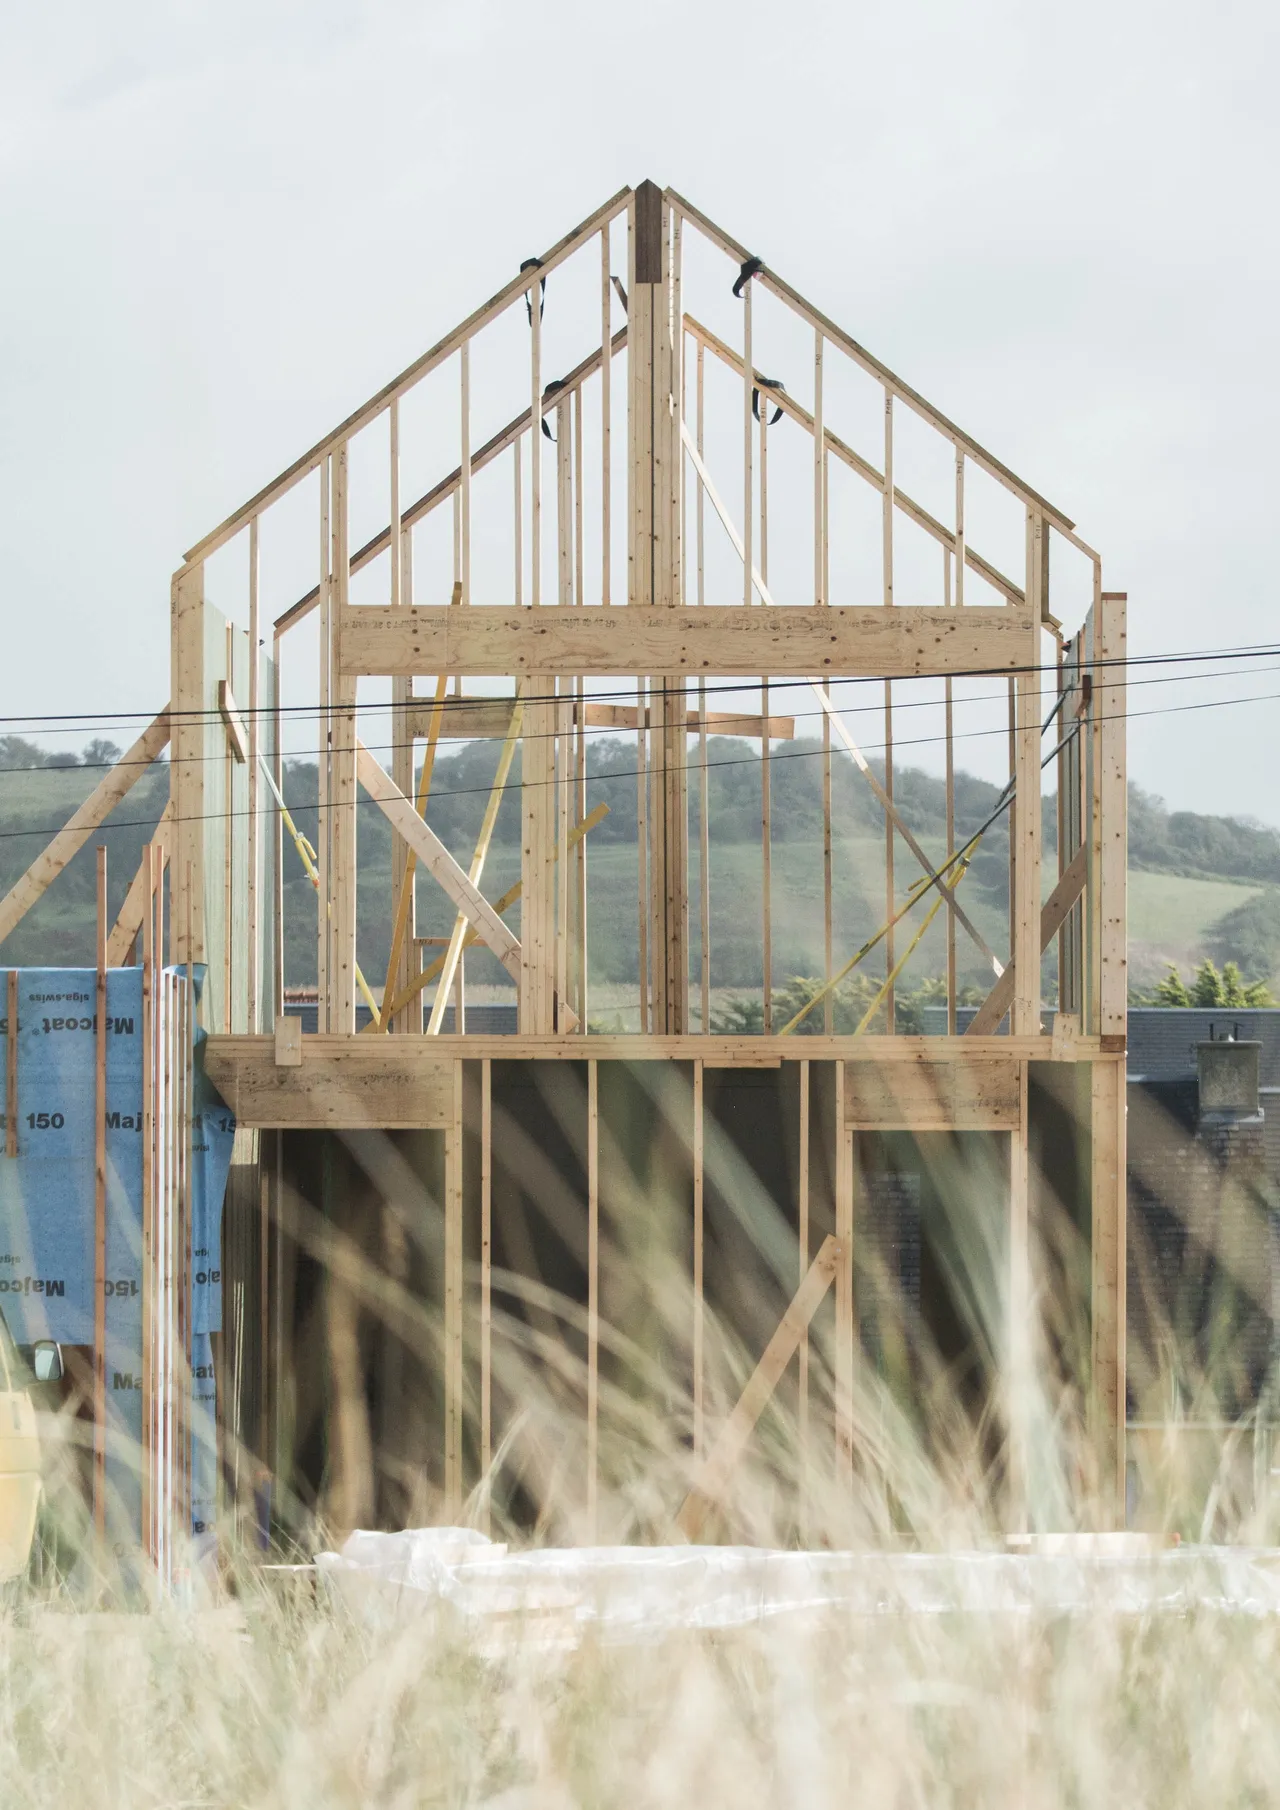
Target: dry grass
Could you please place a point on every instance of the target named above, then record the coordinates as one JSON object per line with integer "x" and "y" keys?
{"x": 270, "y": 1695}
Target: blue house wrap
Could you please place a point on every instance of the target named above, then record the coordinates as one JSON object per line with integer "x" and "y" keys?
{"x": 47, "y": 1208}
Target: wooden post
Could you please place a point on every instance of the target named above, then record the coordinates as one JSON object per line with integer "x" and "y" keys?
{"x": 654, "y": 439}
{"x": 100, "y": 1216}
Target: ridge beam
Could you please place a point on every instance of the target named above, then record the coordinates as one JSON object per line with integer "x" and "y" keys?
{"x": 729, "y": 641}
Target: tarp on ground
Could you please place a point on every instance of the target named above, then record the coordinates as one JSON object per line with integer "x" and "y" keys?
{"x": 47, "y": 1205}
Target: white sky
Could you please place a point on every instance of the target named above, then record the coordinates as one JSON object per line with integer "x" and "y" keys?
{"x": 224, "y": 226}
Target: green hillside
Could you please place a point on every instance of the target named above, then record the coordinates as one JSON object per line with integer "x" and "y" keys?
{"x": 1199, "y": 886}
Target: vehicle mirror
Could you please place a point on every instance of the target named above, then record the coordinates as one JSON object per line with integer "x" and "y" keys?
{"x": 46, "y": 1361}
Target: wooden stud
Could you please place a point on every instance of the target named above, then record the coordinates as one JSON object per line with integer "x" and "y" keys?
{"x": 845, "y": 1326}
{"x": 748, "y": 482}
{"x": 949, "y": 761}
{"x": 606, "y": 425}
{"x": 699, "y": 1253}
{"x": 100, "y": 1215}
{"x": 1024, "y": 827}
{"x": 519, "y": 530}
{"x": 819, "y": 473}
{"x": 828, "y": 895}
{"x": 1110, "y": 691}
{"x": 537, "y": 971}
{"x": 486, "y": 1283}
{"x": 890, "y": 911}
{"x": 593, "y": 1299}
{"x": 254, "y": 874}
{"x": 324, "y": 819}
{"x": 535, "y": 442}
{"x": 464, "y": 467}
{"x": 453, "y": 1284}
{"x": 1108, "y": 1277}
{"x": 802, "y": 1406}
{"x": 642, "y": 843}
{"x": 342, "y": 799}
{"x": 405, "y": 912}
{"x": 1019, "y": 1384}
{"x": 475, "y": 874}
{"x": 132, "y": 913}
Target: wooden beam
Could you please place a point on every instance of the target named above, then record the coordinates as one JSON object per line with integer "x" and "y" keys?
{"x": 712, "y": 1476}
{"x": 409, "y": 1063}
{"x": 368, "y": 1081}
{"x": 436, "y": 858}
{"x": 932, "y": 1096}
{"x": 1053, "y": 914}
{"x": 486, "y": 719}
{"x": 133, "y": 912}
{"x": 729, "y": 640}
{"x": 103, "y": 799}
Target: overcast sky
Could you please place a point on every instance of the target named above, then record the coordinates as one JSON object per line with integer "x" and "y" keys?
{"x": 224, "y": 226}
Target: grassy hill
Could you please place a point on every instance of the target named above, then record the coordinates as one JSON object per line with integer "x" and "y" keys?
{"x": 1199, "y": 885}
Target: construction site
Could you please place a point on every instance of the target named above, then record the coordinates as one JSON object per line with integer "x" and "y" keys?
{"x": 373, "y": 1217}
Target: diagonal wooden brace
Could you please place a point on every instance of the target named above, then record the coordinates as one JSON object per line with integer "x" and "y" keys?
{"x": 437, "y": 860}
{"x": 1052, "y": 915}
{"x": 717, "y": 1467}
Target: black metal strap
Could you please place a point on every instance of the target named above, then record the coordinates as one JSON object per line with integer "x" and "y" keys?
{"x": 766, "y": 384}
{"x": 557, "y": 383}
{"x": 751, "y": 268}
{"x": 535, "y": 264}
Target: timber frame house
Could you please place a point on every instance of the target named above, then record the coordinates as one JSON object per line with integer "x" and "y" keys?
{"x": 616, "y": 612}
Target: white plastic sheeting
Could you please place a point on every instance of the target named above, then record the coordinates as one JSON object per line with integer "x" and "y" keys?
{"x": 640, "y": 1592}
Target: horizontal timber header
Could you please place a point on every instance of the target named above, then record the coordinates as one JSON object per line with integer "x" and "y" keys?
{"x": 733, "y": 640}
